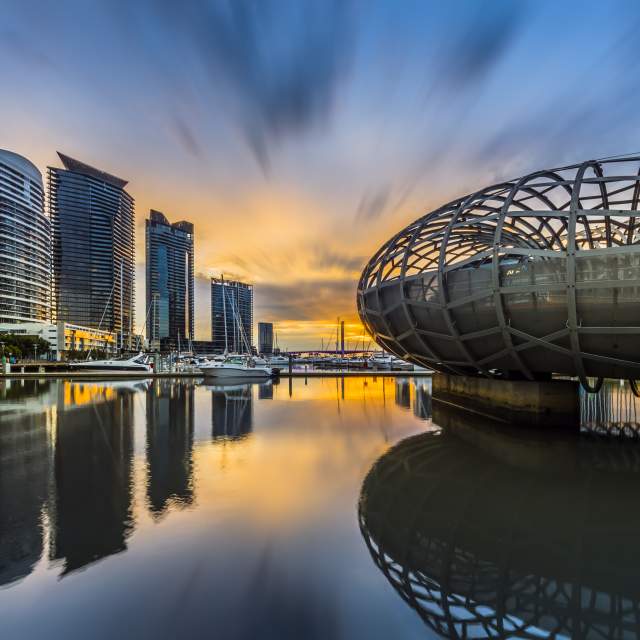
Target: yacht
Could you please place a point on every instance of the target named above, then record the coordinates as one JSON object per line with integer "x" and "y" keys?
{"x": 134, "y": 364}
{"x": 236, "y": 367}
{"x": 278, "y": 361}
{"x": 400, "y": 365}
{"x": 380, "y": 361}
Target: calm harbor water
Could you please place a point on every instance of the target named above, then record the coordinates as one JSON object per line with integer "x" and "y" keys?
{"x": 319, "y": 508}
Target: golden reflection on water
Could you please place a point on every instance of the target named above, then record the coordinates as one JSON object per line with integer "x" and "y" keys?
{"x": 86, "y": 466}
{"x": 158, "y": 508}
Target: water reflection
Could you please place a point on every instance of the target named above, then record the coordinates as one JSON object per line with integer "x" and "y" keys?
{"x": 612, "y": 411}
{"x": 170, "y": 427}
{"x": 25, "y": 461}
{"x": 415, "y": 394}
{"x": 92, "y": 514}
{"x": 231, "y": 411}
{"x": 490, "y": 532}
{"x": 403, "y": 393}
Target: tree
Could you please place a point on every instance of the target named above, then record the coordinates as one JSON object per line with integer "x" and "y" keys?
{"x": 22, "y": 346}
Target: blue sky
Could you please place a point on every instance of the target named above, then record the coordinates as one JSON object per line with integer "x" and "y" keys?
{"x": 299, "y": 135}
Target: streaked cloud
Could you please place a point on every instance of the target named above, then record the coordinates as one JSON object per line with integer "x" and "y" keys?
{"x": 298, "y": 135}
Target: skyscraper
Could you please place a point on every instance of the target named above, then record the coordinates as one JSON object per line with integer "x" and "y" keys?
{"x": 25, "y": 250}
{"x": 93, "y": 224}
{"x": 169, "y": 249}
{"x": 231, "y": 305}
{"x": 265, "y": 338}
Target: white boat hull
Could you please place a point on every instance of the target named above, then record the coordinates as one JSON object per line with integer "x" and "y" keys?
{"x": 239, "y": 371}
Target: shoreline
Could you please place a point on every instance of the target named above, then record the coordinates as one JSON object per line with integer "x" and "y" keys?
{"x": 129, "y": 375}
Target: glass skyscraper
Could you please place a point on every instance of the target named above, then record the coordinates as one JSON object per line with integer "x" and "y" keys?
{"x": 234, "y": 301}
{"x": 265, "y": 338}
{"x": 25, "y": 250}
{"x": 93, "y": 230}
{"x": 170, "y": 306}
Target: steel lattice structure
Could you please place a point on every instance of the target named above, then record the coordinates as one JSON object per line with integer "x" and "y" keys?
{"x": 483, "y": 549}
{"x": 526, "y": 278}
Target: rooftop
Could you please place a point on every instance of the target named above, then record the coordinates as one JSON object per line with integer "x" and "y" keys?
{"x": 80, "y": 167}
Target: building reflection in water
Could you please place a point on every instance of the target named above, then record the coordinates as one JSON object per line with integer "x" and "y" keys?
{"x": 265, "y": 390}
{"x": 491, "y": 532}
{"x": 422, "y": 398}
{"x": 170, "y": 427}
{"x": 25, "y": 464}
{"x": 415, "y": 394}
{"x": 403, "y": 393}
{"x": 231, "y": 411}
{"x": 92, "y": 513}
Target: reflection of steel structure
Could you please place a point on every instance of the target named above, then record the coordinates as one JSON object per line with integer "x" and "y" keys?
{"x": 614, "y": 411}
{"x": 525, "y": 278}
{"x": 480, "y": 548}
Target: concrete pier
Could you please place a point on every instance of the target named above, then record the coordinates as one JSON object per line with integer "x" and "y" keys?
{"x": 553, "y": 403}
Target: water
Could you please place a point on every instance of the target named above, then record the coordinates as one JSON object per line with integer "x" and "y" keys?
{"x": 319, "y": 508}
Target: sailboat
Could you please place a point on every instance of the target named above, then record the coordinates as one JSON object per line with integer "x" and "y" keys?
{"x": 236, "y": 366}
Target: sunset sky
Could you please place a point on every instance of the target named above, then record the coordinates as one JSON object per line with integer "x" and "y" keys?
{"x": 298, "y": 136}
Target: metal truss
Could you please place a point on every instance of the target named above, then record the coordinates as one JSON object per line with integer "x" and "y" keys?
{"x": 526, "y": 278}
{"x": 483, "y": 549}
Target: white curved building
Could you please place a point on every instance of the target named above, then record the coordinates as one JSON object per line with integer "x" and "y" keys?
{"x": 25, "y": 256}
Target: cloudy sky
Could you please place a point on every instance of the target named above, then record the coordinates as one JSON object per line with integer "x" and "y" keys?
{"x": 298, "y": 135}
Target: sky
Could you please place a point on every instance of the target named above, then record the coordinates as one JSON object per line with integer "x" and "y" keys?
{"x": 299, "y": 135}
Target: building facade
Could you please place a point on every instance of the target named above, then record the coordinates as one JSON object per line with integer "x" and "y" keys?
{"x": 25, "y": 250}
{"x": 170, "y": 279}
{"x": 93, "y": 236}
{"x": 64, "y": 337}
{"x": 231, "y": 315}
{"x": 265, "y": 338}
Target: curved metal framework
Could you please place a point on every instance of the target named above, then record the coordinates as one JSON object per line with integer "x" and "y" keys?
{"x": 522, "y": 279}
{"x": 480, "y": 548}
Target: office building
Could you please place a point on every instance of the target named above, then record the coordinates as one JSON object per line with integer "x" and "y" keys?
{"x": 93, "y": 235}
{"x": 25, "y": 262}
{"x": 265, "y": 338}
{"x": 169, "y": 253}
{"x": 231, "y": 315}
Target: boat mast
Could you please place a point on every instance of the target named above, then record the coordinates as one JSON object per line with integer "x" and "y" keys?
{"x": 224, "y": 314}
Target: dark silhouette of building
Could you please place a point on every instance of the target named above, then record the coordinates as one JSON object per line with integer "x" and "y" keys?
{"x": 421, "y": 399}
{"x": 403, "y": 393}
{"x": 93, "y": 229}
{"x": 231, "y": 307}
{"x": 265, "y": 338}
{"x": 25, "y": 242}
{"x": 170, "y": 279}
{"x": 93, "y": 478}
{"x": 265, "y": 390}
{"x": 231, "y": 412}
{"x": 25, "y": 454}
{"x": 170, "y": 423}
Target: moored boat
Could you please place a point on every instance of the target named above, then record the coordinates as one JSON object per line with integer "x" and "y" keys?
{"x": 236, "y": 367}
{"x": 139, "y": 364}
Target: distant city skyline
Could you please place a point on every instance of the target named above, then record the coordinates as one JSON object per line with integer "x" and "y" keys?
{"x": 299, "y": 136}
